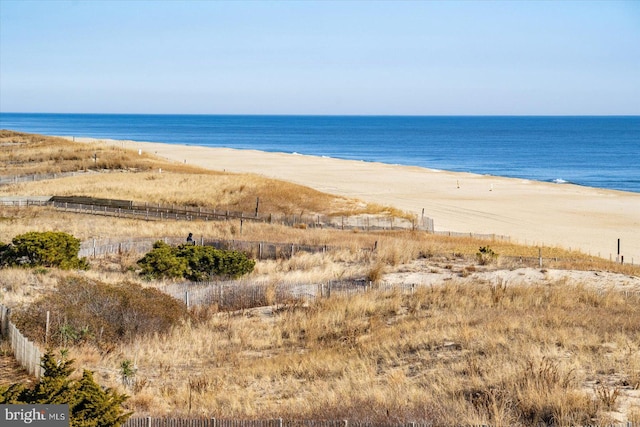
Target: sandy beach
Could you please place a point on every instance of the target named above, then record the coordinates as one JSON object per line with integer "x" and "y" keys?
{"x": 544, "y": 214}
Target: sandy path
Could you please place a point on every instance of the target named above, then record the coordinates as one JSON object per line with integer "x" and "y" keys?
{"x": 531, "y": 212}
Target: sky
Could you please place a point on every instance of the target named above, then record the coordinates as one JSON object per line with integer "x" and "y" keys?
{"x": 321, "y": 57}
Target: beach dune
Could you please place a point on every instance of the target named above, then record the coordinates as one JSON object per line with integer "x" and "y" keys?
{"x": 531, "y": 212}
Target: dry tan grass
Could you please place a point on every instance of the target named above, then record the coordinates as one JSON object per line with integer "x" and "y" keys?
{"x": 145, "y": 178}
{"x": 212, "y": 191}
{"x": 24, "y": 154}
{"x": 451, "y": 355}
{"x": 392, "y": 248}
{"x": 488, "y": 354}
{"x": 36, "y": 154}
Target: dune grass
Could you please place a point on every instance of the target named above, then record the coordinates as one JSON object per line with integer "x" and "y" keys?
{"x": 25, "y": 153}
{"x": 146, "y": 178}
{"x": 393, "y": 248}
{"x": 450, "y": 354}
{"x": 455, "y": 354}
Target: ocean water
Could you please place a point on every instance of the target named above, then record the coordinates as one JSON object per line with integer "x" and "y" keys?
{"x": 601, "y": 152}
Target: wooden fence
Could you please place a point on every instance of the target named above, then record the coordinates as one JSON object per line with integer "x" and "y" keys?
{"x": 256, "y": 250}
{"x": 23, "y": 201}
{"x": 94, "y": 248}
{"x": 25, "y": 352}
{"x": 148, "y": 212}
{"x": 496, "y": 237}
{"x": 274, "y": 250}
{"x": 213, "y": 422}
{"x": 7, "y": 180}
{"x": 244, "y": 294}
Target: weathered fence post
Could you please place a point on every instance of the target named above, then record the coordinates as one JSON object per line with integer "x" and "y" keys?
{"x": 540, "y": 257}
{"x": 46, "y": 328}
{"x": 4, "y": 320}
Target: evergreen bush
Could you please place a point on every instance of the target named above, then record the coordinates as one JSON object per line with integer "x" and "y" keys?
{"x": 89, "y": 404}
{"x": 196, "y": 263}
{"x": 162, "y": 262}
{"x": 43, "y": 249}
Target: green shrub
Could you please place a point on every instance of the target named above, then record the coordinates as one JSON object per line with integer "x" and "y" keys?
{"x": 43, "y": 249}
{"x": 196, "y": 263}
{"x": 89, "y": 404}
{"x": 89, "y": 311}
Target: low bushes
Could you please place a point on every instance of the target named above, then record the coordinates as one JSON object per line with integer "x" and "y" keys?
{"x": 196, "y": 263}
{"x": 486, "y": 255}
{"x": 87, "y": 311}
{"x": 43, "y": 249}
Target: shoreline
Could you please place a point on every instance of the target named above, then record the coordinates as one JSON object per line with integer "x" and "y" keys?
{"x": 531, "y": 212}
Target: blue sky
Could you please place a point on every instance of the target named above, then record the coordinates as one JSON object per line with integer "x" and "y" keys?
{"x": 321, "y": 57}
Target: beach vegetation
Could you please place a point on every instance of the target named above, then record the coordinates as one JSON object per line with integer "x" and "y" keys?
{"x": 84, "y": 311}
{"x": 486, "y": 255}
{"x": 143, "y": 177}
{"x": 195, "y": 263}
{"x": 464, "y": 351}
{"x": 89, "y": 404}
{"x": 43, "y": 249}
